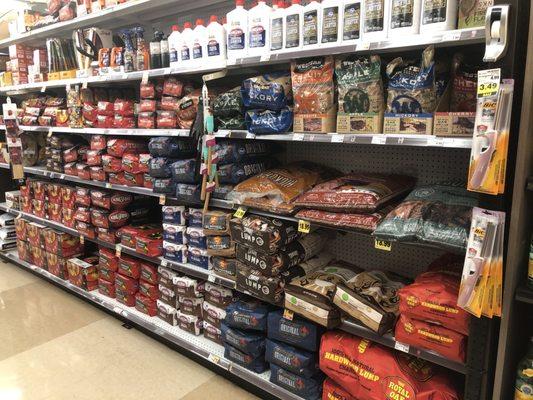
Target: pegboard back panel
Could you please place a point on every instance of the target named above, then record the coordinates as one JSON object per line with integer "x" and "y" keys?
{"x": 427, "y": 164}
{"x": 403, "y": 259}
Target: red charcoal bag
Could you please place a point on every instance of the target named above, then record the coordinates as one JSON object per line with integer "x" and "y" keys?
{"x": 108, "y": 259}
{"x": 145, "y": 305}
{"x": 369, "y": 371}
{"x": 148, "y": 289}
{"x": 126, "y": 284}
{"x": 125, "y": 298}
{"x": 119, "y": 147}
{"x": 106, "y": 288}
{"x": 111, "y": 164}
{"x": 130, "y": 267}
{"x": 148, "y": 273}
{"x": 332, "y": 391}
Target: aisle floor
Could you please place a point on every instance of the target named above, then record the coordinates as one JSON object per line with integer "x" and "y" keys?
{"x": 54, "y": 346}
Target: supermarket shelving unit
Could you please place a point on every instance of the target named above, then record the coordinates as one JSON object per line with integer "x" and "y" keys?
{"x": 430, "y": 158}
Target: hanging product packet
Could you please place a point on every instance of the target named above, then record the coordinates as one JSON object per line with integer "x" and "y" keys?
{"x": 411, "y": 87}
{"x": 359, "y": 84}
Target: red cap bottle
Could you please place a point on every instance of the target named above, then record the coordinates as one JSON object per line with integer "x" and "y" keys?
{"x": 187, "y": 25}
{"x": 199, "y": 21}
{"x": 175, "y": 28}
{"x": 213, "y": 18}
{"x": 239, "y": 3}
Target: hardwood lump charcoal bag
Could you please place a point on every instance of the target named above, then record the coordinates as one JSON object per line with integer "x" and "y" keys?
{"x": 190, "y": 305}
{"x": 424, "y": 335}
{"x": 237, "y": 123}
{"x": 190, "y": 323}
{"x": 366, "y": 221}
{"x": 262, "y": 233}
{"x": 299, "y": 362}
{"x": 238, "y": 172}
{"x": 216, "y": 222}
{"x": 297, "y": 332}
{"x": 372, "y": 298}
{"x": 433, "y": 298}
{"x": 171, "y": 147}
{"x": 119, "y": 147}
{"x": 438, "y": 214}
{"x": 293, "y": 254}
{"x": 359, "y": 84}
{"x": 268, "y": 122}
{"x": 220, "y": 246}
{"x": 213, "y": 314}
{"x": 356, "y": 192}
{"x": 223, "y": 266}
{"x": 218, "y": 295}
{"x": 188, "y": 287}
{"x": 235, "y": 151}
{"x": 369, "y": 371}
{"x": 248, "y": 342}
{"x": 269, "y": 289}
{"x": 312, "y": 295}
{"x": 267, "y": 92}
{"x": 307, "y": 388}
{"x": 213, "y": 333}
{"x": 278, "y": 188}
{"x": 228, "y": 104}
{"x": 256, "y": 364}
{"x": 184, "y": 171}
{"x": 188, "y": 109}
{"x": 312, "y": 85}
{"x": 332, "y": 391}
{"x": 411, "y": 88}
{"x": 167, "y": 313}
{"x": 247, "y": 314}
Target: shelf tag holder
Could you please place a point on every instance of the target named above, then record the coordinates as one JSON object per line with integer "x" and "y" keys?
{"x": 118, "y": 250}
{"x": 384, "y": 245}
{"x": 288, "y": 314}
{"x": 304, "y": 226}
{"x": 240, "y": 212}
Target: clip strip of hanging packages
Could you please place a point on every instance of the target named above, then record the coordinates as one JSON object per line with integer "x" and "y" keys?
{"x": 491, "y": 141}
{"x": 479, "y": 291}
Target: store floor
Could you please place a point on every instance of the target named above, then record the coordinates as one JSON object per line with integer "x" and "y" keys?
{"x": 55, "y": 346}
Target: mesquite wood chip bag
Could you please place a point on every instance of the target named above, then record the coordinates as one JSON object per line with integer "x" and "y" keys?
{"x": 359, "y": 84}
{"x": 312, "y": 85}
{"x": 411, "y": 88}
{"x": 369, "y": 371}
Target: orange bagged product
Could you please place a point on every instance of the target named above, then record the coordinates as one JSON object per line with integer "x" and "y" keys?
{"x": 332, "y": 391}
{"x": 277, "y": 188}
{"x": 312, "y": 85}
{"x": 369, "y": 371}
{"x": 424, "y": 335}
{"x": 433, "y": 298}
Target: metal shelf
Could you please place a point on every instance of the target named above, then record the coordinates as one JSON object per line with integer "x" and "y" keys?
{"x": 198, "y": 345}
{"x": 102, "y": 131}
{"x": 389, "y": 341}
{"x": 524, "y": 294}
{"x": 361, "y": 138}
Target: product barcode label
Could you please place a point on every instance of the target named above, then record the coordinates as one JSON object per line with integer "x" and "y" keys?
{"x": 82, "y": 239}
{"x": 436, "y": 141}
{"x": 164, "y": 262}
{"x": 211, "y": 278}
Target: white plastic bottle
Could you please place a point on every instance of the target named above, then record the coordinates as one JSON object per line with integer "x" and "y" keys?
{"x": 174, "y": 46}
{"x": 186, "y": 44}
{"x": 237, "y": 30}
{"x": 199, "y": 43}
{"x": 293, "y": 26}
{"x": 331, "y": 22}
{"x": 216, "y": 41}
{"x": 311, "y": 24}
{"x": 404, "y": 17}
{"x": 375, "y": 17}
{"x": 277, "y": 19}
{"x": 351, "y": 22}
{"x": 258, "y": 29}
{"x": 438, "y": 15}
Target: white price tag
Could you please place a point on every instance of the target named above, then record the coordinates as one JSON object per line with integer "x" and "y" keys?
{"x": 435, "y": 141}
{"x": 62, "y": 176}
{"x": 265, "y": 57}
{"x": 108, "y": 185}
{"x": 379, "y": 139}
{"x": 67, "y": 87}
{"x": 211, "y": 278}
{"x": 214, "y": 358}
{"x": 50, "y": 132}
{"x": 84, "y": 85}
{"x": 43, "y": 89}
{"x": 118, "y": 250}
{"x": 298, "y": 136}
{"x": 144, "y": 79}
{"x": 364, "y": 46}
{"x": 337, "y": 138}
{"x": 164, "y": 262}
{"x": 400, "y": 140}
{"x": 451, "y": 36}
{"x": 401, "y": 347}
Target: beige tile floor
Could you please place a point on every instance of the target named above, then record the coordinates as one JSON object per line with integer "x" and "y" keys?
{"x": 54, "y": 346}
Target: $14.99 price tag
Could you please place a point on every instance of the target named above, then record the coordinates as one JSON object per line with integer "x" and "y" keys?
{"x": 382, "y": 245}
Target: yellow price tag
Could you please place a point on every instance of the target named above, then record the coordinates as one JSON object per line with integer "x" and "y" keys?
{"x": 162, "y": 199}
{"x": 50, "y": 132}
{"x": 304, "y": 226}
{"x": 82, "y": 239}
{"x": 288, "y": 314}
{"x": 488, "y": 82}
{"x": 214, "y": 358}
{"x": 383, "y": 245}
{"x": 118, "y": 250}
{"x": 240, "y": 212}
{"x": 488, "y": 89}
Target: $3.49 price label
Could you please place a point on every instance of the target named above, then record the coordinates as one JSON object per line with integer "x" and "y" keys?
{"x": 488, "y": 82}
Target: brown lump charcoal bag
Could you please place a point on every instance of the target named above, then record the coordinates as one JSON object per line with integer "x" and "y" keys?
{"x": 438, "y": 214}
{"x": 369, "y": 371}
{"x": 278, "y": 187}
{"x": 372, "y": 298}
{"x": 312, "y": 85}
{"x": 359, "y": 84}
{"x": 356, "y": 192}
{"x": 411, "y": 88}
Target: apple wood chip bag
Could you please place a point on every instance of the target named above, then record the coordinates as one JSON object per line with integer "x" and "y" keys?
{"x": 369, "y": 371}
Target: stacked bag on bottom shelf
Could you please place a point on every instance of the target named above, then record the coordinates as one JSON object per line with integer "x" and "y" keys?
{"x": 270, "y": 253}
{"x": 291, "y": 350}
{"x": 243, "y": 333}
